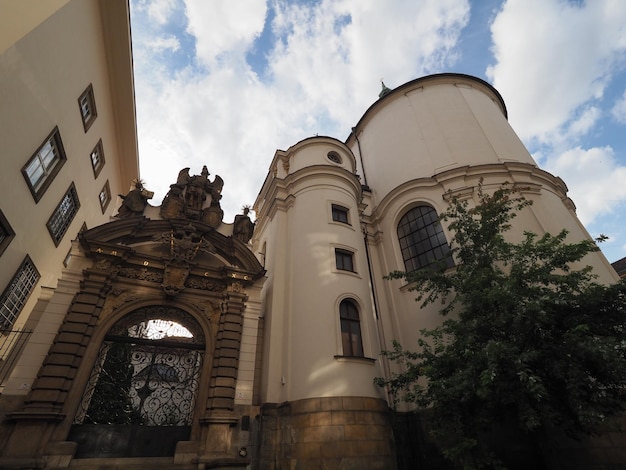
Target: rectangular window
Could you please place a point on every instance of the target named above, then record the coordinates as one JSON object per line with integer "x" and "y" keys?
{"x": 105, "y": 196}
{"x": 340, "y": 213}
{"x": 6, "y": 233}
{"x": 63, "y": 215}
{"x": 44, "y": 165}
{"x": 87, "y": 106}
{"x": 97, "y": 159}
{"x": 17, "y": 292}
{"x": 344, "y": 260}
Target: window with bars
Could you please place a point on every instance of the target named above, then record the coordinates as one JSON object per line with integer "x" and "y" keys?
{"x": 339, "y": 213}
{"x": 105, "y": 196}
{"x": 351, "y": 339}
{"x": 344, "y": 260}
{"x": 44, "y": 165}
{"x": 63, "y": 215}
{"x": 17, "y": 292}
{"x": 422, "y": 240}
{"x": 87, "y": 106}
{"x": 97, "y": 159}
{"x": 6, "y": 233}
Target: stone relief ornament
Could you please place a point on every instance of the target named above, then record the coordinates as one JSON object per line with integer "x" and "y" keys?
{"x": 135, "y": 202}
{"x": 194, "y": 197}
{"x": 185, "y": 243}
{"x": 243, "y": 226}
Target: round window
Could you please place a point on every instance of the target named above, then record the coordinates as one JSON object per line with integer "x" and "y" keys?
{"x": 334, "y": 157}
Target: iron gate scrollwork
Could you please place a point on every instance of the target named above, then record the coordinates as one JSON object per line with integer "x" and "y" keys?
{"x": 143, "y": 385}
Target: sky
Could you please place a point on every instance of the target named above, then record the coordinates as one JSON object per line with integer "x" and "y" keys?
{"x": 225, "y": 83}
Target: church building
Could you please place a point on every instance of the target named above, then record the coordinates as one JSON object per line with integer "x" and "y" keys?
{"x": 175, "y": 339}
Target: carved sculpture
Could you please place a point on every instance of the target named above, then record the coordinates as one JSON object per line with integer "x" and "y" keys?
{"x": 187, "y": 198}
{"x": 184, "y": 243}
{"x": 135, "y": 202}
{"x": 243, "y": 226}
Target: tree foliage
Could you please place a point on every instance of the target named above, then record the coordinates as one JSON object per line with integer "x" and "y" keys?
{"x": 526, "y": 340}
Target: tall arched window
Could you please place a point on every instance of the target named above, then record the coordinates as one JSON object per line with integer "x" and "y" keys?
{"x": 141, "y": 394}
{"x": 422, "y": 240}
{"x": 350, "y": 329}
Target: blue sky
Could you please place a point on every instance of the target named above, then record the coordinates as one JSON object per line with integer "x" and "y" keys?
{"x": 224, "y": 83}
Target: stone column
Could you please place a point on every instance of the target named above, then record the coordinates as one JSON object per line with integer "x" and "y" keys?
{"x": 43, "y": 407}
{"x": 220, "y": 417}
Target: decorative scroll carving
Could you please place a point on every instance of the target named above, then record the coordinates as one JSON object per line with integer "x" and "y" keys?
{"x": 187, "y": 198}
{"x": 196, "y": 282}
{"x": 143, "y": 274}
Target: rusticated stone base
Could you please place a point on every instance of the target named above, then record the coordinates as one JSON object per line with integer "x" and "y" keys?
{"x": 334, "y": 433}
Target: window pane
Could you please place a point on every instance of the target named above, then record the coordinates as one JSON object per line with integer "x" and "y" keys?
{"x": 422, "y": 240}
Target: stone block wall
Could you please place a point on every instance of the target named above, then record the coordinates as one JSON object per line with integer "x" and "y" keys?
{"x": 334, "y": 432}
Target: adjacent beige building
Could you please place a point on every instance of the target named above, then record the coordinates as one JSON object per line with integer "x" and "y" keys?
{"x": 67, "y": 128}
{"x": 164, "y": 337}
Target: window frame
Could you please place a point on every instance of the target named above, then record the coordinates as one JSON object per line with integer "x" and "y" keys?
{"x": 341, "y": 255}
{"x": 50, "y": 172}
{"x": 90, "y": 116}
{"x": 106, "y": 190}
{"x": 336, "y": 210}
{"x": 422, "y": 247}
{"x": 66, "y": 220}
{"x": 351, "y": 327}
{"x": 99, "y": 151}
{"x": 21, "y": 291}
{"x": 6, "y": 232}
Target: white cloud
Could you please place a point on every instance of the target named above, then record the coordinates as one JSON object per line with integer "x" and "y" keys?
{"x": 583, "y": 123}
{"x": 594, "y": 177}
{"x": 321, "y": 76}
{"x": 619, "y": 109}
{"x": 554, "y": 56}
{"x": 165, "y": 43}
{"x": 224, "y": 26}
{"x": 160, "y": 10}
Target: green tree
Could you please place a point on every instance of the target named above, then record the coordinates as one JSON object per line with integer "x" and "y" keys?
{"x": 526, "y": 341}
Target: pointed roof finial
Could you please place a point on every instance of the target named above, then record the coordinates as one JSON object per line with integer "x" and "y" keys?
{"x": 385, "y": 91}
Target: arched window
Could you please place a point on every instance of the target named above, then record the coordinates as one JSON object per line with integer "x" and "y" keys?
{"x": 422, "y": 240}
{"x": 350, "y": 329}
{"x": 143, "y": 384}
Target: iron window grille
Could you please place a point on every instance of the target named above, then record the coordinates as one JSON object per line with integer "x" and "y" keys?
{"x": 17, "y": 292}
{"x": 63, "y": 215}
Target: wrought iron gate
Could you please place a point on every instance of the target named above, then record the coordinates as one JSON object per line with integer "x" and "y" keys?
{"x": 141, "y": 393}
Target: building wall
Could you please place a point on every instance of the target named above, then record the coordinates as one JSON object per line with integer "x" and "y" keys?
{"x": 303, "y": 346}
{"x": 50, "y": 53}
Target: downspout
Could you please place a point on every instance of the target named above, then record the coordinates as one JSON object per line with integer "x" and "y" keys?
{"x": 379, "y": 327}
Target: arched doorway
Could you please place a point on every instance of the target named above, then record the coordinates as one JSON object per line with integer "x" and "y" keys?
{"x": 141, "y": 394}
